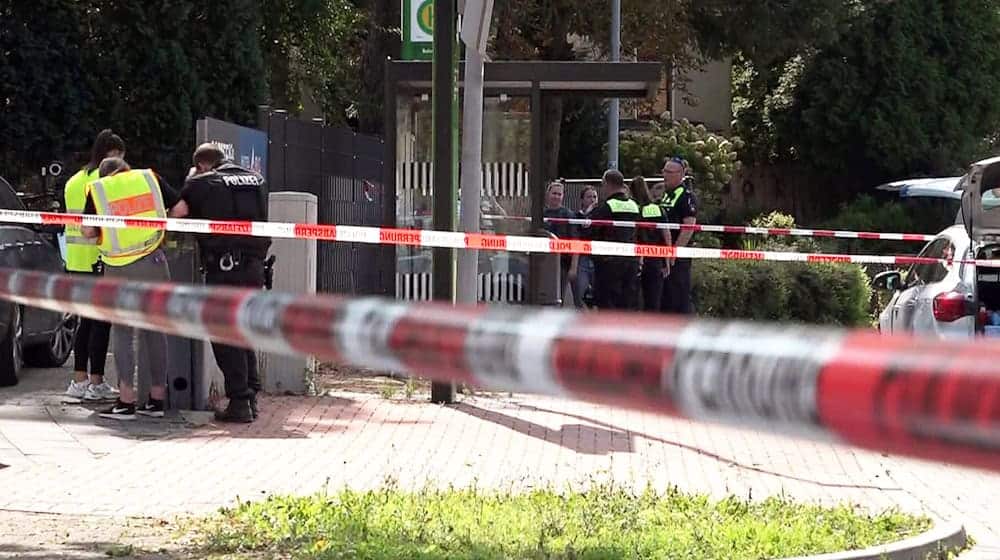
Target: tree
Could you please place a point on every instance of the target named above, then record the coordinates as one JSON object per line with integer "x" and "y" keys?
{"x": 312, "y": 49}
{"x": 886, "y": 101}
{"x": 765, "y": 32}
{"x": 143, "y": 81}
{"x": 584, "y": 138}
{"x": 230, "y": 67}
{"x": 713, "y": 159}
{"x": 44, "y": 98}
{"x": 681, "y": 34}
{"x": 381, "y": 39}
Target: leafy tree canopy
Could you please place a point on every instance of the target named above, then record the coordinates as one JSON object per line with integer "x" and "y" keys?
{"x": 909, "y": 89}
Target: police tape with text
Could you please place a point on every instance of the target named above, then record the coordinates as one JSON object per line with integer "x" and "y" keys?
{"x": 751, "y": 230}
{"x": 926, "y": 398}
{"x": 460, "y": 240}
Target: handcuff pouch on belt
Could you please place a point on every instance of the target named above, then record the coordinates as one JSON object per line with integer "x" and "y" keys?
{"x": 229, "y": 261}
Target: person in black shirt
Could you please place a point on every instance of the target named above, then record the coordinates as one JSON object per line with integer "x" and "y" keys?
{"x": 682, "y": 207}
{"x": 616, "y": 278}
{"x": 654, "y": 270}
{"x": 581, "y": 273}
{"x": 554, "y": 208}
{"x": 219, "y": 190}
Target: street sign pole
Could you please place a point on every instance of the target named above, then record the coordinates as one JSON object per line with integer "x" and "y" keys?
{"x": 476, "y": 16}
{"x": 444, "y": 151}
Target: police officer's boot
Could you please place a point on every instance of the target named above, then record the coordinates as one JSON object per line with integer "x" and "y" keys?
{"x": 238, "y": 410}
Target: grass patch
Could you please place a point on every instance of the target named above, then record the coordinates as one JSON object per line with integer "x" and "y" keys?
{"x": 603, "y": 522}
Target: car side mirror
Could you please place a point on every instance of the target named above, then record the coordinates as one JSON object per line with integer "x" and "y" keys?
{"x": 891, "y": 280}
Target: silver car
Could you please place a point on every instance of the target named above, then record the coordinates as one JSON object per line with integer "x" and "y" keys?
{"x": 951, "y": 299}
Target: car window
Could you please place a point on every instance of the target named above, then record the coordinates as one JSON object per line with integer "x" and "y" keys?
{"x": 928, "y": 273}
{"x": 8, "y": 198}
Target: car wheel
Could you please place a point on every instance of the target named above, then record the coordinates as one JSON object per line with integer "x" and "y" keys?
{"x": 56, "y": 351}
{"x": 10, "y": 349}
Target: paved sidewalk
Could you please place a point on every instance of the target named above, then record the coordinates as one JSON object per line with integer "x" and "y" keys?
{"x": 302, "y": 445}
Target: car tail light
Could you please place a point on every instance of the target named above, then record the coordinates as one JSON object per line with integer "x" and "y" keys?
{"x": 951, "y": 306}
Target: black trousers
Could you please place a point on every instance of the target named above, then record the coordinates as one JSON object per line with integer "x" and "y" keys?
{"x": 238, "y": 365}
{"x": 677, "y": 289}
{"x": 91, "y": 346}
{"x": 652, "y": 284}
{"x": 616, "y": 283}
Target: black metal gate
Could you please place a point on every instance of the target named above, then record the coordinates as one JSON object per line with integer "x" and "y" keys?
{"x": 345, "y": 172}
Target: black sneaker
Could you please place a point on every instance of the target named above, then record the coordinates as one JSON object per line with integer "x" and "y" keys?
{"x": 152, "y": 408}
{"x": 238, "y": 411}
{"x": 254, "y": 410}
{"x": 120, "y": 411}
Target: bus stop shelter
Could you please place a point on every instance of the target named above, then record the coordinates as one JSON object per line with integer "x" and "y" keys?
{"x": 515, "y": 164}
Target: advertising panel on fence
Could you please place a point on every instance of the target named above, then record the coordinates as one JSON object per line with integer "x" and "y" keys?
{"x": 246, "y": 147}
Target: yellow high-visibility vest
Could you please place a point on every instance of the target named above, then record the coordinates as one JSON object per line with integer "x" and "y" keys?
{"x": 623, "y": 206}
{"x": 130, "y": 194}
{"x": 81, "y": 252}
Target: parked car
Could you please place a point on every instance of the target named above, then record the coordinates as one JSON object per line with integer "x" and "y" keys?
{"x": 957, "y": 299}
{"x": 28, "y": 335}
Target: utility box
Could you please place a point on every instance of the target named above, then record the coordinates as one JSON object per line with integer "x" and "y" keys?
{"x": 294, "y": 272}
{"x": 182, "y": 257}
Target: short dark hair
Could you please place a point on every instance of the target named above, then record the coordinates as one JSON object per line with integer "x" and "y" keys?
{"x": 614, "y": 178}
{"x": 112, "y": 165}
{"x": 105, "y": 142}
{"x": 209, "y": 154}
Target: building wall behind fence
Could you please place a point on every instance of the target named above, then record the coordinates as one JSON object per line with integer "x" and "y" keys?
{"x": 344, "y": 170}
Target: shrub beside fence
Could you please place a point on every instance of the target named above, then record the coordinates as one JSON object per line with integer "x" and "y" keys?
{"x": 829, "y": 294}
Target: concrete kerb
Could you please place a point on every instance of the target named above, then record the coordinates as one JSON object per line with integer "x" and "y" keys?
{"x": 932, "y": 545}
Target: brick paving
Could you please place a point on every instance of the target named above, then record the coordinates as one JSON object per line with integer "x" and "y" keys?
{"x": 303, "y": 444}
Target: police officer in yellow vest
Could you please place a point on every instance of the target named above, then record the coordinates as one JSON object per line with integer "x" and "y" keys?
{"x": 91, "y": 345}
{"x": 654, "y": 269}
{"x": 133, "y": 254}
{"x": 681, "y": 207}
{"x": 616, "y": 279}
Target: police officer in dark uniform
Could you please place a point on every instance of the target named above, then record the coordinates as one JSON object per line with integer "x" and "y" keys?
{"x": 682, "y": 208}
{"x": 655, "y": 270}
{"x": 616, "y": 278}
{"x": 220, "y": 190}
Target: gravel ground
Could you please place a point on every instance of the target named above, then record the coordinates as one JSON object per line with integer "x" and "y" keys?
{"x": 34, "y": 535}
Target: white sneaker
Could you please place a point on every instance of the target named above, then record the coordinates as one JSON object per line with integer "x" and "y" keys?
{"x": 77, "y": 390}
{"x": 102, "y": 392}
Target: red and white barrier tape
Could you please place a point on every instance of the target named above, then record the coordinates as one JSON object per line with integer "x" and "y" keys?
{"x": 796, "y": 232}
{"x": 460, "y": 240}
{"x": 931, "y": 399}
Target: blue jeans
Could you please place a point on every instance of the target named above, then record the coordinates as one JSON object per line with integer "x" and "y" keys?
{"x": 584, "y": 279}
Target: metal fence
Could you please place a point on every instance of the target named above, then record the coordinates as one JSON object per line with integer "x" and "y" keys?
{"x": 344, "y": 170}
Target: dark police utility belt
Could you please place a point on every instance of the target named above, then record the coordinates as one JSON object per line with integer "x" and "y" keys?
{"x": 234, "y": 260}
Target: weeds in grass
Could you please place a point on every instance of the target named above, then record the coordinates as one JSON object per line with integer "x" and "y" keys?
{"x": 603, "y": 521}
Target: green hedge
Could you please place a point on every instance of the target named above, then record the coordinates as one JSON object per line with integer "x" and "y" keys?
{"x": 830, "y": 294}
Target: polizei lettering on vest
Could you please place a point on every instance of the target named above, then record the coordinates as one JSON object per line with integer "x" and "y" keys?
{"x": 243, "y": 180}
